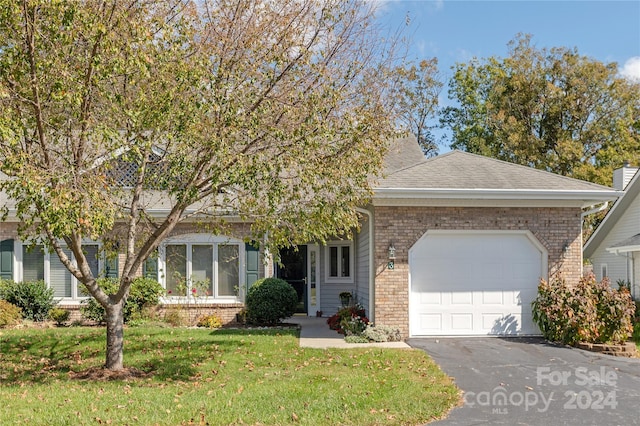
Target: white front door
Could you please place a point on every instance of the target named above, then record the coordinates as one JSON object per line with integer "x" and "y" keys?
{"x": 313, "y": 288}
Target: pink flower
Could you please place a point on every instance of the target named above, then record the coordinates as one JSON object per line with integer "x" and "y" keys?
{"x": 193, "y": 290}
{"x": 169, "y": 292}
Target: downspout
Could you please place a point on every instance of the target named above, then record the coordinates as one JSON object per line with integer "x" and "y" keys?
{"x": 372, "y": 271}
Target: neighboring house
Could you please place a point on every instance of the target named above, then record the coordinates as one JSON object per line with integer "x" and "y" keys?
{"x": 453, "y": 245}
{"x": 614, "y": 247}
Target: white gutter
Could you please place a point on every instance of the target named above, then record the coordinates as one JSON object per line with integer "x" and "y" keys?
{"x": 496, "y": 194}
{"x": 372, "y": 272}
{"x": 594, "y": 210}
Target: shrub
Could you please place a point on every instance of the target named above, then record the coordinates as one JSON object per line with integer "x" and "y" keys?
{"x": 356, "y": 339}
{"x": 144, "y": 293}
{"x": 381, "y": 333}
{"x": 174, "y": 317}
{"x": 10, "y": 314}
{"x": 33, "y": 297}
{"x": 590, "y": 312}
{"x": 346, "y": 317}
{"x": 59, "y": 315}
{"x": 270, "y": 300}
{"x": 354, "y": 326}
{"x": 209, "y": 321}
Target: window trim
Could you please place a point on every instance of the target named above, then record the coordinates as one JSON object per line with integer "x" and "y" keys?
{"x": 327, "y": 261}
{"x": 189, "y": 240}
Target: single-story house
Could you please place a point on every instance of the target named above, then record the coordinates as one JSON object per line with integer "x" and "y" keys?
{"x": 614, "y": 247}
{"x": 452, "y": 245}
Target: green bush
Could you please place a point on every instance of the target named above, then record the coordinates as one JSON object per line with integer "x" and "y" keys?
{"x": 33, "y": 297}
{"x": 10, "y": 314}
{"x": 59, "y": 315}
{"x": 270, "y": 300}
{"x": 144, "y": 292}
{"x": 356, "y": 339}
{"x": 591, "y": 312}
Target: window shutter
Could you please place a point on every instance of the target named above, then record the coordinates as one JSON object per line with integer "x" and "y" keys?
{"x": 150, "y": 268}
{"x": 6, "y": 259}
{"x": 252, "y": 264}
{"x": 111, "y": 267}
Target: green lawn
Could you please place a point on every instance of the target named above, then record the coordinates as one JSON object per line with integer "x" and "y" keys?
{"x": 199, "y": 376}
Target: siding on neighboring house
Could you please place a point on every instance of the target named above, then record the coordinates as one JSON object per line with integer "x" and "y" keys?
{"x": 618, "y": 267}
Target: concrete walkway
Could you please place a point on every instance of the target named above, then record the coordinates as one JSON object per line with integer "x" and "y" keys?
{"x": 315, "y": 333}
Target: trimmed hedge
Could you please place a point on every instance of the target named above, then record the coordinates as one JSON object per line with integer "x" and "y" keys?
{"x": 33, "y": 297}
{"x": 270, "y": 300}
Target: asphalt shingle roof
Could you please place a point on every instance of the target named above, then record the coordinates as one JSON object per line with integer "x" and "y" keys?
{"x": 633, "y": 241}
{"x": 462, "y": 170}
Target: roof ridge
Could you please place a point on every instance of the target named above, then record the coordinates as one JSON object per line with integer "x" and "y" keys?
{"x": 421, "y": 162}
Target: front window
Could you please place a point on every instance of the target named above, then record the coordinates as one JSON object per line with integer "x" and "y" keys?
{"x": 340, "y": 261}
{"x": 38, "y": 265}
{"x": 201, "y": 269}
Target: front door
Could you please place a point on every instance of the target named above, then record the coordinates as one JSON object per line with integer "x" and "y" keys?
{"x": 293, "y": 269}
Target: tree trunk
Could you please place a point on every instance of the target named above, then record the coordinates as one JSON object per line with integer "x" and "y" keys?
{"x": 115, "y": 336}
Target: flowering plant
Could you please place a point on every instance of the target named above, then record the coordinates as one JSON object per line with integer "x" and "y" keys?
{"x": 349, "y": 320}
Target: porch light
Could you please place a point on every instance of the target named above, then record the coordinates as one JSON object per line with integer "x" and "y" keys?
{"x": 392, "y": 252}
{"x": 392, "y": 256}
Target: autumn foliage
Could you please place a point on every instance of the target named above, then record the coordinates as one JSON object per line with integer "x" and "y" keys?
{"x": 591, "y": 311}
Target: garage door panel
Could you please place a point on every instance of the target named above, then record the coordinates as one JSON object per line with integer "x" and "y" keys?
{"x": 431, "y": 298}
{"x": 492, "y": 298}
{"x": 474, "y": 284}
{"x": 461, "y": 321}
{"x": 430, "y": 322}
{"x": 461, "y": 298}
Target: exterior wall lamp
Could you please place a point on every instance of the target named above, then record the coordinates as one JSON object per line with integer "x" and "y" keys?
{"x": 392, "y": 256}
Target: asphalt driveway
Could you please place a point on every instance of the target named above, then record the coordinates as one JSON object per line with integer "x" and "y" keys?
{"x": 526, "y": 381}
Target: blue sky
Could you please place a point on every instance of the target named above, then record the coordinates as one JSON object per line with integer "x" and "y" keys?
{"x": 455, "y": 31}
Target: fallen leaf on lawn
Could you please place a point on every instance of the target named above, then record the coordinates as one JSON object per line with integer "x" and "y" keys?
{"x": 294, "y": 417}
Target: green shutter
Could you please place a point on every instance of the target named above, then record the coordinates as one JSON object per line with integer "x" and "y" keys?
{"x": 150, "y": 268}
{"x": 6, "y": 259}
{"x": 252, "y": 263}
{"x": 111, "y": 267}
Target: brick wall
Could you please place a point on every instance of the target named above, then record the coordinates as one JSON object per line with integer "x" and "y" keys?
{"x": 553, "y": 227}
{"x": 190, "y": 313}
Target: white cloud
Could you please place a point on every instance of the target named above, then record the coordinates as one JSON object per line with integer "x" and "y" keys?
{"x": 631, "y": 69}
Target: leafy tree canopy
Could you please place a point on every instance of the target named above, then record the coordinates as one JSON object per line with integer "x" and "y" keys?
{"x": 275, "y": 111}
{"x": 552, "y": 109}
{"x": 419, "y": 88}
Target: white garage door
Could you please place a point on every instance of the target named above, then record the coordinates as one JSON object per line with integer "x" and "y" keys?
{"x": 474, "y": 283}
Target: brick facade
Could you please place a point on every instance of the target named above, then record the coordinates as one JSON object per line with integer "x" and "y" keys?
{"x": 554, "y": 228}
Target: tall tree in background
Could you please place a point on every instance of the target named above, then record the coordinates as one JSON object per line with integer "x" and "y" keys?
{"x": 276, "y": 112}
{"x": 551, "y": 109}
{"x": 418, "y": 92}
